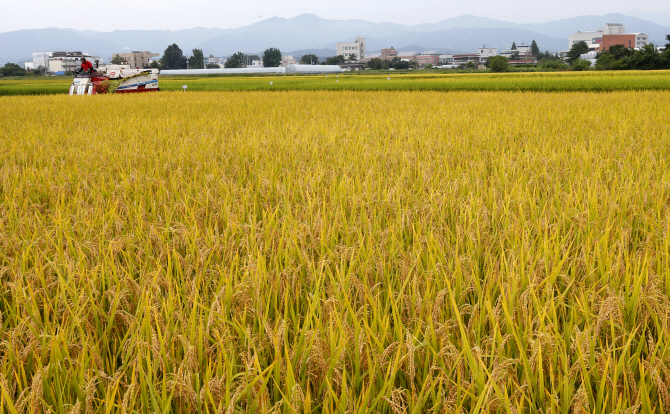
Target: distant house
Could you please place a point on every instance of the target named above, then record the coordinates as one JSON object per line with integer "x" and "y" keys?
{"x": 287, "y": 60}
{"x": 136, "y": 59}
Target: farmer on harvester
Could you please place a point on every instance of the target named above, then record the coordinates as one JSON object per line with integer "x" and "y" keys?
{"x": 86, "y": 66}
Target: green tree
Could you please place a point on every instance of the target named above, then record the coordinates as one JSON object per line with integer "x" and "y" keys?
{"x": 309, "y": 59}
{"x": 197, "y": 61}
{"x": 12, "y": 69}
{"x": 498, "y": 64}
{"x": 375, "y": 64}
{"x": 620, "y": 52}
{"x": 250, "y": 58}
{"x": 577, "y": 49}
{"x": 534, "y": 50}
{"x": 548, "y": 56}
{"x": 235, "y": 61}
{"x": 665, "y": 58}
{"x": 335, "y": 60}
{"x": 173, "y": 58}
{"x": 616, "y": 58}
{"x": 547, "y": 63}
{"x": 647, "y": 58}
{"x": 667, "y": 45}
{"x": 154, "y": 64}
{"x": 399, "y": 64}
{"x": 581, "y": 64}
{"x": 605, "y": 60}
{"x": 470, "y": 65}
{"x": 272, "y": 58}
{"x": 352, "y": 57}
{"x": 213, "y": 66}
{"x": 513, "y": 46}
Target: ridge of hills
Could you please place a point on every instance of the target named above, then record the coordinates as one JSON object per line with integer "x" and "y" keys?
{"x": 305, "y": 32}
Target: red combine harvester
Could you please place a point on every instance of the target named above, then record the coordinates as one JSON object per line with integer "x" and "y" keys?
{"x": 115, "y": 79}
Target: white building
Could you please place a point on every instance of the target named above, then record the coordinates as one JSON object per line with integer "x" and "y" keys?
{"x": 215, "y": 60}
{"x": 487, "y": 52}
{"x": 287, "y": 60}
{"x": 447, "y": 59}
{"x": 614, "y": 29}
{"x": 641, "y": 40}
{"x": 590, "y": 37}
{"x": 591, "y": 57}
{"x": 356, "y": 48}
{"x": 39, "y": 59}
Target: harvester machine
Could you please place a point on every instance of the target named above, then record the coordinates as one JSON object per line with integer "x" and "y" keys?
{"x": 115, "y": 79}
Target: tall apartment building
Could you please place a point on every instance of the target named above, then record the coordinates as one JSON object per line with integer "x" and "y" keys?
{"x": 137, "y": 59}
{"x": 356, "y": 48}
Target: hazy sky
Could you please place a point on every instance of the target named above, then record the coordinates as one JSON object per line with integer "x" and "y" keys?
{"x": 182, "y": 14}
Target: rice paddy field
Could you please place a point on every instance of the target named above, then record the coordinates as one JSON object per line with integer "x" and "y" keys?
{"x": 419, "y": 80}
{"x": 335, "y": 252}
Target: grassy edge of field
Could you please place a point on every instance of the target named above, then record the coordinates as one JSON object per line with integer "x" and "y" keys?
{"x": 388, "y": 81}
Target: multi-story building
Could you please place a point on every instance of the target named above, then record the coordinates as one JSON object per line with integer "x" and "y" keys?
{"x": 425, "y": 59}
{"x": 641, "y": 40}
{"x": 485, "y": 53}
{"x": 356, "y": 48}
{"x": 39, "y": 59}
{"x": 287, "y": 60}
{"x": 137, "y": 59}
{"x": 593, "y": 38}
{"x": 628, "y": 40}
{"x": 389, "y": 54}
{"x": 465, "y": 58}
{"x": 614, "y": 29}
{"x": 446, "y": 59}
{"x": 429, "y": 57}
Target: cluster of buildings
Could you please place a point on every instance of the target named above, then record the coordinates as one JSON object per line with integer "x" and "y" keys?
{"x": 597, "y": 40}
{"x": 356, "y": 54}
{"x": 612, "y": 34}
{"x": 57, "y": 63}
{"x": 521, "y": 54}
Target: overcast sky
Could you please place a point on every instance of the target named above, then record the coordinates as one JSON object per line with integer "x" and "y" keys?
{"x": 183, "y": 14}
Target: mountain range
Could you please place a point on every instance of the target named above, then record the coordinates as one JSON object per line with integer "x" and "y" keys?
{"x": 307, "y": 32}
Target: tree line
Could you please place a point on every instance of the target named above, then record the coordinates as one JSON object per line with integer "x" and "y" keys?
{"x": 619, "y": 57}
{"x": 174, "y": 58}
